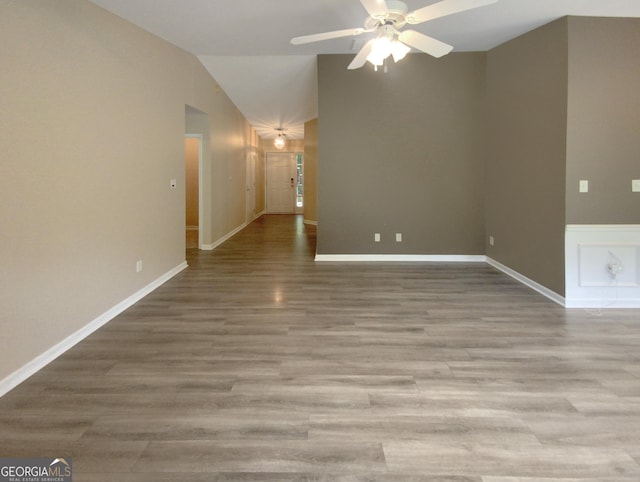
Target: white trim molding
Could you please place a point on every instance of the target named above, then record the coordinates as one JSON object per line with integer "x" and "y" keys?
{"x": 589, "y": 250}
{"x": 445, "y": 258}
{"x": 226, "y": 237}
{"x": 543, "y": 290}
{"x": 42, "y": 360}
{"x": 410, "y": 258}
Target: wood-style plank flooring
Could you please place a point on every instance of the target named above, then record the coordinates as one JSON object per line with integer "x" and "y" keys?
{"x": 256, "y": 363}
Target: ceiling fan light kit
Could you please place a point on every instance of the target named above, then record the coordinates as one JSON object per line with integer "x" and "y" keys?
{"x": 386, "y": 44}
{"x": 386, "y": 18}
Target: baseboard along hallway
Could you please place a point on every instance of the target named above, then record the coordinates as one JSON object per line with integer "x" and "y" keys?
{"x": 257, "y": 363}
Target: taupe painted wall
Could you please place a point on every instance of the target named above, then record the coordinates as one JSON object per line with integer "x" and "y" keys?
{"x": 256, "y": 152}
{"x": 603, "y": 140}
{"x": 92, "y": 124}
{"x": 311, "y": 171}
{"x": 402, "y": 152}
{"x": 525, "y": 177}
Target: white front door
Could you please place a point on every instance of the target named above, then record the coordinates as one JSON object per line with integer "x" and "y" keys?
{"x": 281, "y": 182}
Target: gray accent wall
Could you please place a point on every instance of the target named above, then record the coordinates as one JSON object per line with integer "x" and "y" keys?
{"x": 402, "y": 152}
{"x": 564, "y": 106}
{"x": 525, "y": 172}
{"x": 453, "y": 158}
{"x": 603, "y": 140}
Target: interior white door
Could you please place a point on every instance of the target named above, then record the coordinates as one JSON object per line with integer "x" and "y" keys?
{"x": 251, "y": 186}
{"x": 281, "y": 182}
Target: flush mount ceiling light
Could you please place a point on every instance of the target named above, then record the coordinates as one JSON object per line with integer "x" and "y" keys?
{"x": 280, "y": 141}
{"x": 386, "y": 18}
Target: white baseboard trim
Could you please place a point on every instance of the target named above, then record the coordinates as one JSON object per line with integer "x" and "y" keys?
{"x": 543, "y": 290}
{"x": 226, "y": 237}
{"x": 312, "y": 223}
{"x": 411, "y": 258}
{"x": 42, "y": 360}
{"x": 552, "y": 295}
{"x": 603, "y": 303}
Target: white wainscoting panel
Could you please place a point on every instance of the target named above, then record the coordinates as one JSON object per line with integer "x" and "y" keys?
{"x": 589, "y": 250}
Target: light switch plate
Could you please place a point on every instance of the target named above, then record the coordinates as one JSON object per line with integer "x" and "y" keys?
{"x": 584, "y": 186}
{"x": 635, "y": 185}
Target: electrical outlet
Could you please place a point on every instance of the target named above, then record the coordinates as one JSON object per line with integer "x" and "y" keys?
{"x": 138, "y": 266}
{"x": 635, "y": 185}
{"x": 398, "y": 237}
{"x": 491, "y": 241}
{"x": 376, "y": 237}
{"x": 173, "y": 183}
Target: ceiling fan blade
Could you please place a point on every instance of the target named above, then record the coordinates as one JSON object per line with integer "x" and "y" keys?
{"x": 360, "y": 59}
{"x": 326, "y": 36}
{"x": 425, "y": 43}
{"x": 444, "y": 8}
{"x": 375, "y": 8}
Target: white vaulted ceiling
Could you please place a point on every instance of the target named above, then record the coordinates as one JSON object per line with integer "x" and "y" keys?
{"x": 270, "y": 90}
{"x": 245, "y": 46}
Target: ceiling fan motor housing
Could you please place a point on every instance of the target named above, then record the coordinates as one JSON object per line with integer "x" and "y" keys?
{"x": 386, "y": 18}
{"x": 396, "y": 15}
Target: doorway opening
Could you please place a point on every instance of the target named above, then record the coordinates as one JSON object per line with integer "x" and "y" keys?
{"x": 250, "y": 201}
{"x": 193, "y": 195}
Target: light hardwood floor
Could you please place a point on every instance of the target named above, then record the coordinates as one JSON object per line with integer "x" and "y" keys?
{"x": 256, "y": 363}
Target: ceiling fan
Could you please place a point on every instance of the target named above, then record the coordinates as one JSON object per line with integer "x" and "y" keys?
{"x": 386, "y": 18}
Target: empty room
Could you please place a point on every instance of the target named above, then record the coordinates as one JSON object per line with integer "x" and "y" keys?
{"x": 316, "y": 241}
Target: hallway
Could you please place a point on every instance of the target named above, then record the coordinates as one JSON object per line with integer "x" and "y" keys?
{"x": 256, "y": 363}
